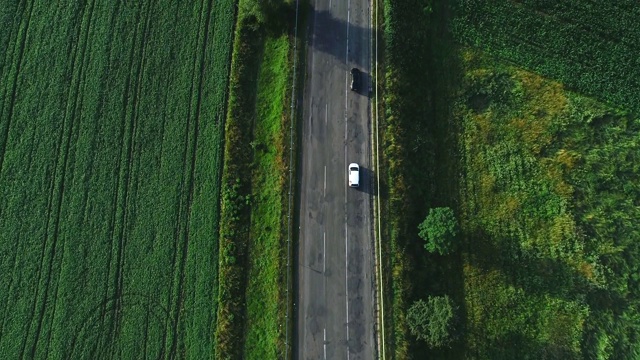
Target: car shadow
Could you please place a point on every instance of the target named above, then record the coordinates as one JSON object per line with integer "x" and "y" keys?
{"x": 367, "y": 181}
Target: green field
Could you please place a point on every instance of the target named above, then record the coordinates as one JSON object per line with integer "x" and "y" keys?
{"x": 550, "y": 196}
{"x": 550, "y": 246}
{"x": 589, "y": 46}
{"x": 529, "y": 130}
{"x": 111, "y": 129}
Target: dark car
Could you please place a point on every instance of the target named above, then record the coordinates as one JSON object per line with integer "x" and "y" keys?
{"x": 355, "y": 79}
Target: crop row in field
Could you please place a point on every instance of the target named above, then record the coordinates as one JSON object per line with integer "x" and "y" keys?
{"x": 589, "y": 46}
{"x": 110, "y": 159}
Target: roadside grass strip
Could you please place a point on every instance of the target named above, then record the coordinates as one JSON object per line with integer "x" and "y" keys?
{"x": 252, "y": 317}
{"x": 267, "y": 251}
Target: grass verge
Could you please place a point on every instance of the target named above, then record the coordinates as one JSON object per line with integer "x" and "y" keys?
{"x": 266, "y": 295}
{"x": 253, "y": 252}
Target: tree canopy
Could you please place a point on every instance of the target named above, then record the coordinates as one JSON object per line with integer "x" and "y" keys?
{"x": 439, "y": 230}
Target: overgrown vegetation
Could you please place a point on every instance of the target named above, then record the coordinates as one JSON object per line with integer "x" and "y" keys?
{"x": 591, "y": 47}
{"x": 252, "y": 316}
{"x": 547, "y": 221}
{"x": 236, "y": 193}
{"x": 547, "y": 194}
{"x": 110, "y": 165}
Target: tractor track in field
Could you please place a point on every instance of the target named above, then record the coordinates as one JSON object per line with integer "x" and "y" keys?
{"x": 56, "y": 192}
{"x": 189, "y": 157}
{"x": 112, "y": 221}
{"x": 77, "y": 106}
{"x": 88, "y": 333}
{"x": 580, "y": 26}
{"x": 169, "y": 323}
{"x": 133, "y": 85}
{"x": 194, "y": 147}
{"x": 118, "y": 219}
{"x": 114, "y": 203}
{"x": 579, "y": 29}
{"x": 7, "y": 60}
{"x": 133, "y": 182}
{"x": 584, "y": 27}
{"x": 14, "y": 83}
{"x": 5, "y": 133}
{"x": 172, "y": 322}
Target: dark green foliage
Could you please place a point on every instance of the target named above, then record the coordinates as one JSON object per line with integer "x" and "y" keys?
{"x": 439, "y": 230}
{"x": 433, "y": 320}
{"x": 274, "y": 16}
{"x": 590, "y": 47}
{"x": 405, "y": 144}
{"x": 549, "y": 202}
{"x": 547, "y": 196}
{"x": 236, "y": 188}
{"x": 607, "y": 200}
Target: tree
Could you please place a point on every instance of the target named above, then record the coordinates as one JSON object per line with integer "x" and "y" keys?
{"x": 271, "y": 15}
{"x": 432, "y": 320}
{"x": 439, "y": 230}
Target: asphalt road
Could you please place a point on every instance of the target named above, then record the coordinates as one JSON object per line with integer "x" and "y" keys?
{"x": 335, "y": 279}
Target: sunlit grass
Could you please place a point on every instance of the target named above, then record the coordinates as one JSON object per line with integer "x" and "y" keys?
{"x": 267, "y": 250}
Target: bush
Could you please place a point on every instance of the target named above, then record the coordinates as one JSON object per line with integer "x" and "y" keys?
{"x": 439, "y": 230}
{"x": 432, "y": 320}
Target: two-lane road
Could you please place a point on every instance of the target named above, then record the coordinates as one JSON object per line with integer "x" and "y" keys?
{"x": 335, "y": 312}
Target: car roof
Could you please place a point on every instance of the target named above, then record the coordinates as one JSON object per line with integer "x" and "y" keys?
{"x": 354, "y": 174}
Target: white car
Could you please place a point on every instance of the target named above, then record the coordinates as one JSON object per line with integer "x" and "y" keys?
{"x": 354, "y": 175}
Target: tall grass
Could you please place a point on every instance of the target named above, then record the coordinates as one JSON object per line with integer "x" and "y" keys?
{"x": 266, "y": 287}
{"x": 252, "y": 315}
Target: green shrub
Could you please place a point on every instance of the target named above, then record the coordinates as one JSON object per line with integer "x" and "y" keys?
{"x": 433, "y": 320}
{"x": 440, "y": 230}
